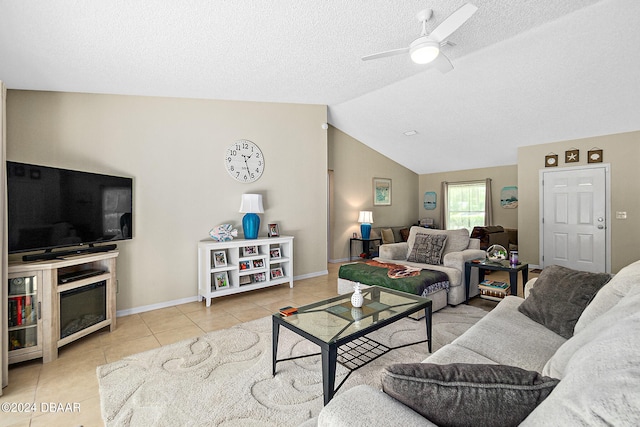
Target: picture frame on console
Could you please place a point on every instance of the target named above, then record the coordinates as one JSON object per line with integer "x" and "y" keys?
{"x": 219, "y": 259}
{"x": 221, "y": 280}
{"x": 259, "y": 277}
{"x": 245, "y": 280}
{"x": 274, "y": 252}
{"x": 249, "y": 250}
{"x": 274, "y": 230}
{"x": 277, "y": 273}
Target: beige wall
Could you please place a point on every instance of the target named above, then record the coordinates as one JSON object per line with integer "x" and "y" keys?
{"x": 622, "y": 152}
{"x": 353, "y": 167}
{"x": 501, "y": 176}
{"x": 174, "y": 148}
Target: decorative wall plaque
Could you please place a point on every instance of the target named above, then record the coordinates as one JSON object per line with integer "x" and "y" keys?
{"x": 550, "y": 160}
{"x": 595, "y": 155}
{"x": 572, "y": 156}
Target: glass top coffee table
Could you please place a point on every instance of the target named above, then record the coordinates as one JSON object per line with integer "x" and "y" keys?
{"x": 340, "y": 329}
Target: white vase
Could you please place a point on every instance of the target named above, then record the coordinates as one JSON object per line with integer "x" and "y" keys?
{"x": 357, "y": 299}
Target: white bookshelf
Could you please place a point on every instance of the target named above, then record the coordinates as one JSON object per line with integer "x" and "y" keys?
{"x": 247, "y": 264}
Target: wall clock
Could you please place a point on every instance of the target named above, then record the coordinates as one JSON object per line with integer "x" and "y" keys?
{"x": 244, "y": 161}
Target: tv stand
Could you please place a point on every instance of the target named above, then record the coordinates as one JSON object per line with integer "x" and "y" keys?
{"x": 55, "y": 296}
{"x": 49, "y": 255}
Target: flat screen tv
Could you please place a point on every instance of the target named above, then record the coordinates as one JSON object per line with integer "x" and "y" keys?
{"x": 51, "y": 208}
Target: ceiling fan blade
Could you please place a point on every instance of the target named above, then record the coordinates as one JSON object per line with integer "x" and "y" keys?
{"x": 386, "y": 53}
{"x": 442, "y": 63}
{"x": 453, "y": 22}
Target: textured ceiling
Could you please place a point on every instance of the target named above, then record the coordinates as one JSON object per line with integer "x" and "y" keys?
{"x": 526, "y": 71}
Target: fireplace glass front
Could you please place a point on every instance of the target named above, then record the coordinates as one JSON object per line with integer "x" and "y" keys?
{"x": 82, "y": 307}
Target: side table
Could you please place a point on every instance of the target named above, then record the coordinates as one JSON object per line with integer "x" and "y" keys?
{"x": 365, "y": 244}
{"x": 484, "y": 265}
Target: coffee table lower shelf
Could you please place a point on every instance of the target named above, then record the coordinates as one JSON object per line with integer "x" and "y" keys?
{"x": 356, "y": 354}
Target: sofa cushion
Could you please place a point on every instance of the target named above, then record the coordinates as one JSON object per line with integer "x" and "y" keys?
{"x": 506, "y": 336}
{"x": 457, "y": 240}
{"x": 559, "y": 297}
{"x": 599, "y": 385}
{"x": 387, "y": 236}
{"x": 485, "y": 395}
{"x": 625, "y": 282}
{"x": 427, "y": 249}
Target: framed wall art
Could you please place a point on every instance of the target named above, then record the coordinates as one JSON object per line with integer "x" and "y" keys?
{"x": 509, "y": 197}
{"x": 429, "y": 200}
{"x": 381, "y": 192}
{"x": 594, "y": 155}
{"x": 572, "y": 155}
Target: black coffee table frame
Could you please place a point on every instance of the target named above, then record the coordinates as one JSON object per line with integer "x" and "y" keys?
{"x": 354, "y": 350}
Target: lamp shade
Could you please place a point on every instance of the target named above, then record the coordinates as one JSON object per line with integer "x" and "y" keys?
{"x": 251, "y": 203}
{"x": 365, "y": 217}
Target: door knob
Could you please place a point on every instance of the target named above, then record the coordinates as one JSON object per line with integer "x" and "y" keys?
{"x": 600, "y": 227}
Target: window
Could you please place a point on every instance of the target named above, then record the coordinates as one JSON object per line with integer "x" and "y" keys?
{"x": 466, "y": 205}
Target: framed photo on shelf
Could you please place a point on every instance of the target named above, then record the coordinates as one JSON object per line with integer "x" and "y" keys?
{"x": 381, "y": 192}
{"x": 249, "y": 250}
{"x": 274, "y": 252}
{"x": 220, "y": 259}
{"x": 245, "y": 265}
{"x": 258, "y": 263}
{"x": 259, "y": 277}
{"x": 221, "y": 280}
{"x": 277, "y": 273}
{"x": 245, "y": 280}
{"x": 273, "y": 230}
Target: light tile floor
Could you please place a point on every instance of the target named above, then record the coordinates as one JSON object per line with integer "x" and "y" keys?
{"x": 71, "y": 379}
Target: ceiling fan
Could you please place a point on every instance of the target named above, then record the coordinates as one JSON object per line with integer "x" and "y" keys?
{"x": 426, "y": 48}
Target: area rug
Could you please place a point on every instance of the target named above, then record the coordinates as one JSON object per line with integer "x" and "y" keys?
{"x": 224, "y": 378}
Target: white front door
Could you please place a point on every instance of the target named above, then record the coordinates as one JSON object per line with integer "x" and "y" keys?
{"x": 574, "y": 224}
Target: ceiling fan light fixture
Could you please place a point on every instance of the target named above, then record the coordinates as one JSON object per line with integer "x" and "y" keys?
{"x": 424, "y": 52}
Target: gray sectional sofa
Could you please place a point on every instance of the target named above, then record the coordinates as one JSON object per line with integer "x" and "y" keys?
{"x": 591, "y": 374}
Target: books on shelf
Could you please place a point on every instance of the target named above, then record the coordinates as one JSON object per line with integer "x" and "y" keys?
{"x": 21, "y": 311}
{"x": 493, "y": 289}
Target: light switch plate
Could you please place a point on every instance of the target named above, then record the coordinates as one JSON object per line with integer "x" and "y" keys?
{"x": 621, "y": 215}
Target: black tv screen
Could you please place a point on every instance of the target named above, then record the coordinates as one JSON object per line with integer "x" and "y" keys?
{"x": 51, "y": 208}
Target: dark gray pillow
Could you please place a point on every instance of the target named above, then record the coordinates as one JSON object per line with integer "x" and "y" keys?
{"x": 559, "y": 297}
{"x": 427, "y": 248}
{"x": 464, "y": 394}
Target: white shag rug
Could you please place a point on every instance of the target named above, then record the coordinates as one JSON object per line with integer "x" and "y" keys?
{"x": 224, "y": 378}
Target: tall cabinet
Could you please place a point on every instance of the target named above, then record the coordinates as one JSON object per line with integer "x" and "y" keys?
{"x": 241, "y": 265}
{"x": 55, "y": 302}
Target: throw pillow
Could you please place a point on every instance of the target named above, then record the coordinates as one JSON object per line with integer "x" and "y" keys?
{"x": 559, "y": 297}
{"x": 387, "y": 236}
{"x": 464, "y": 394}
{"x": 404, "y": 233}
{"x": 427, "y": 249}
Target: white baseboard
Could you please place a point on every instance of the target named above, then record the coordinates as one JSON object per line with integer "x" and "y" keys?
{"x": 145, "y": 308}
{"x": 310, "y": 275}
{"x": 142, "y": 309}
